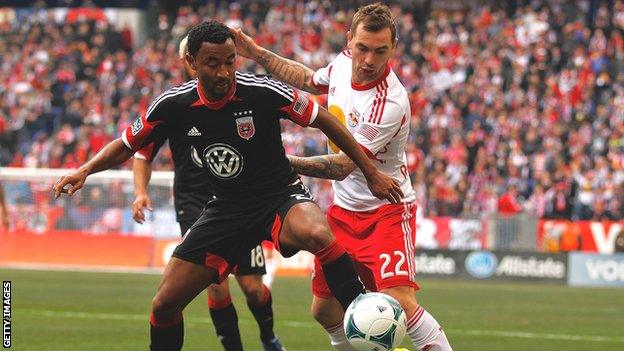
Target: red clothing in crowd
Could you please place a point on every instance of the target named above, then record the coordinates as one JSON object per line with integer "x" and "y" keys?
{"x": 507, "y": 204}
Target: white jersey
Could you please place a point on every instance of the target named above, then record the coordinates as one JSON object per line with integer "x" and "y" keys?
{"x": 378, "y": 115}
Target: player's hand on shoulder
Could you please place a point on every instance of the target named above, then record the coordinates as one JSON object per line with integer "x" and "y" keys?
{"x": 383, "y": 187}
{"x": 245, "y": 45}
{"x": 75, "y": 179}
{"x": 141, "y": 202}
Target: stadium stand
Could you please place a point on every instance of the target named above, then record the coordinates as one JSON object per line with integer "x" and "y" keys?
{"x": 529, "y": 97}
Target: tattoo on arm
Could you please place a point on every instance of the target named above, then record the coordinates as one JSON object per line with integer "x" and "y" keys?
{"x": 291, "y": 72}
{"x": 336, "y": 167}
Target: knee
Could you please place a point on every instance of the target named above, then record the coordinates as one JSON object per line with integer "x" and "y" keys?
{"x": 254, "y": 292}
{"x": 317, "y": 237}
{"x": 162, "y": 309}
{"x": 407, "y": 301}
{"x": 217, "y": 292}
{"x": 320, "y": 315}
{"x": 327, "y": 317}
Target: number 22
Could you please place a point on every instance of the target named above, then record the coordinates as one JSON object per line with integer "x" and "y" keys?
{"x": 397, "y": 267}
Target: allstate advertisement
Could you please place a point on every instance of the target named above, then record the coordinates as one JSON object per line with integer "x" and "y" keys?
{"x": 596, "y": 270}
{"x": 492, "y": 265}
{"x": 516, "y": 266}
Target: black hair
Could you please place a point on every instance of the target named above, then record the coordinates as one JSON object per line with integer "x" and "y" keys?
{"x": 211, "y": 32}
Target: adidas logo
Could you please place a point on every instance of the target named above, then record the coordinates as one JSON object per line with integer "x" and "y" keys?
{"x": 193, "y": 132}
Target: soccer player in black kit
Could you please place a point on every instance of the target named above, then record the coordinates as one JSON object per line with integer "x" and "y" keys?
{"x": 257, "y": 194}
{"x": 191, "y": 191}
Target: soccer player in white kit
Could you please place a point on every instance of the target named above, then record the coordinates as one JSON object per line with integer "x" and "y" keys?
{"x": 366, "y": 95}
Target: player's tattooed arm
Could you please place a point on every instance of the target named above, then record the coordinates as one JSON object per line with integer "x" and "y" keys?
{"x": 336, "y": 167}
{"x": 288, "y": 71}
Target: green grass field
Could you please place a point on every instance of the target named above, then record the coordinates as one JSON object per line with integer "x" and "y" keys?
{"x": 108, "y": 311}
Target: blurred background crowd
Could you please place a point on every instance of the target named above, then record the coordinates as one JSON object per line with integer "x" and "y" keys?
{"x": 516, "y": 105}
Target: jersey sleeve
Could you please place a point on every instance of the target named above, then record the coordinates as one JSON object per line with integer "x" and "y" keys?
{"x": 291, "y": 103}
{"x": 149, "y": 151}
{"x": 382, "y": 124}
{"x": 149, "y": 127}
{"x": 320, "y": 78}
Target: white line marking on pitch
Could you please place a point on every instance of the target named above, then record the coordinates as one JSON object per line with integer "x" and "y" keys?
{"x": 295, "y": 324}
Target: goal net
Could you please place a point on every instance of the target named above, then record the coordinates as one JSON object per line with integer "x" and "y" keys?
{"x": 94, "y": 228}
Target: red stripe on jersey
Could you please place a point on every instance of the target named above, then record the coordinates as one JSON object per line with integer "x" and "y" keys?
{"x": 383, "y": 106}
{"x": 197, "y": 103}
{"x": 382, "y": 103}
{"x": 370, "y": 116}
{"x": 398, "y": 130}
{"x": 375, "y": 105}
{"x": 369, "y": 153}
{"x": 215, "y": 105}
{"x": 138, "y": 132}
{"x": 374, "y": 83}
{"x": 347, "y": 53}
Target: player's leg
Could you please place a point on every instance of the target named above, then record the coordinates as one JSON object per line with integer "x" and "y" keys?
{"x": 422, "y": 328}
{"x": 182, "y": 281}
{"x": 328, "y": 312}
{"x": 260, "y": 303}
{"x": 350, "y": 230}
{"x": 269, "y": 264}
{"x": 224, "y": 316}
{"x": 251, "y": 266}
{"x": 209, "y": 242}
{"x": 395, "y": 272}
{"x": 222, "y": 311}
{"x": 304, "y": 227}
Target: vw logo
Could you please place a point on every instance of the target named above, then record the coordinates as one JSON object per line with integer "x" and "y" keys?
{"x": 481, "y": 264}
{"x": 223, "y": 161}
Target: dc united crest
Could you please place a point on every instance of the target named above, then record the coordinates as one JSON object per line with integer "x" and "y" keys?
{"x": 245, "y": 127}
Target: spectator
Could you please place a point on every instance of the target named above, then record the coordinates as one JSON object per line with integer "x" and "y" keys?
{"x": 532, "y": 95}
{"x": 508, "y": 202}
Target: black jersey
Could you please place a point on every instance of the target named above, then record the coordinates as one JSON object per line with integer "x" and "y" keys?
{"x": 191, "y": 188}
{"x": 237, "y": 140}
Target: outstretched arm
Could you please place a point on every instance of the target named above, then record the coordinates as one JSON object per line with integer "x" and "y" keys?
{"x": 288, "y": 71}
{"x": 336, "y": 166}
{"x": 380, "y": 185}
{"x": 142, "y": 171}
{"x": 113, "y": 154}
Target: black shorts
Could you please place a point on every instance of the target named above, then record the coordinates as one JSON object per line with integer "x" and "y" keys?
{"x": 228, "y": 236}
{"x": 251, "y": 264}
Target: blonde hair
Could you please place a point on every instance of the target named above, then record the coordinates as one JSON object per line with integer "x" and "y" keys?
{"x": 183, "y": 48}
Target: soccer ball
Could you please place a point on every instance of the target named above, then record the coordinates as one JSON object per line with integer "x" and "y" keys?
{"x": 374, "y": 322}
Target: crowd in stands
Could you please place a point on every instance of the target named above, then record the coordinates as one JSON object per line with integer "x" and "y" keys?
{"x": 517, "y": 103}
